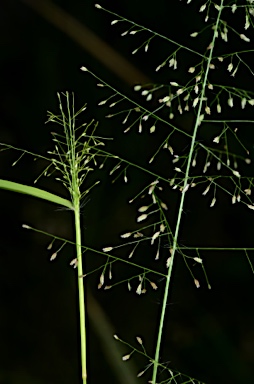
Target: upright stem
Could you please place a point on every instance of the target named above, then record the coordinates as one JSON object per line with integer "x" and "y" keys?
{"x": 186, "y": 178}
{"x": 82, "y": 314}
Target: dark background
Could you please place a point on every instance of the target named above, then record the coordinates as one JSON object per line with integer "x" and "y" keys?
{"x": 208, "y": 333}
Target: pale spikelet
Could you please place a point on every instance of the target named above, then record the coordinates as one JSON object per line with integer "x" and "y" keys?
{"x": 107, "y": 287}
{"x": 157, "y": 255}
{"x": 153, "y": 285}
{"x": 164, "y": 99}
{"x": 145, "y": 92}
{"x": 218, "y": 108}
{"x": 251, "y": 102}
{"x": 191, "y": 70}
{"x": 171, "y": 116}
{"x": 102, "y": 279}
{"x": 162, "y": 227}
{"x": 213, "y": 202}
{"x": 74, "y": 262}
{"x": 129, "y": 286}
{"x": 102, "y": 102}
{"x": 139, "y": 289}
{"x": 125, "y": 235}
{"x": 233, "y": 8}
{"x": 135, "y": 51}
{"x": 140, "y": 127}
{"x": 116, "y": 337}
{"x": 133, "y": 32}
{"x": 174, "y": 84}
{"x": 236, "y": 173}
{"x": 139, "y": 340}
{"x": 180, "y": 109}
{"x": 195, "y": 102}
{"x": 194, "y": 34}
{"x": 208, "y": 110}
{"x": 233, "y": 199}
{"x": 243, "y": 102}
{"x": 168, "y": 262}
{"x": 137, "y": 87}
{"x": 152, "y": 129}
{"x": 107, "y": 249}
{"x": 247, "y": 22}
{"x": 164, "y": 206}
{"x": 53, "y": 256}
{"x": 211, "y": 66}
{"x": 185, "y": 188}
{"x": 220, "y": 59}
{"x": 25, "y": 226}
{"x": 198, "y": 260}
{"x": 140, "y": 373}
{"x": 247, "y": 161}
{"x": 210, "y": 86}
{"x": 245, "y": 38}
{"x": 207, "y": 164}
{"x": 180, "y": 91}
{"x": 143, "y": 209}
{"x": 238, "y": 198}
{"x": 201, "y": 118}
{"x": 97, "y": 6}
{"x": 131, "y": 254}
{"x": 216, "y": 139}
{"x": 152, "y": 186}
{"x": 196, "y": 89}
{"x": 126, "y": 357}
{"x": 231, "y": 102}
{"x": 202, "y": 8}
{"x": 149, "y": 97}
{"x": 216, "y": 6}
{"x": 230, "y": 67}
{"x": 141, "y": 218}
{"x": 138, "y": 234}
{"x": 206, "y": 190}
{"x": 250, "y": 206}
{"x": 171, "y": 62}
{"x": 154, "y": 237}
{"x": 248, "y": 191}
{"x": 178, "y": 169}
{"x": 84, "y": 69}
{"x": 233, "y": 74}
{"x": 196, "y": 282}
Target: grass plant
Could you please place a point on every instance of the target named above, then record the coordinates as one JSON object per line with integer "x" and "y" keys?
{"x": 210, "y": 158}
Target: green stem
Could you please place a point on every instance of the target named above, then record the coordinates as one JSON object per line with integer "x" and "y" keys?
{"x": 186, "y": 178}
{"x": 81, "y": 291}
